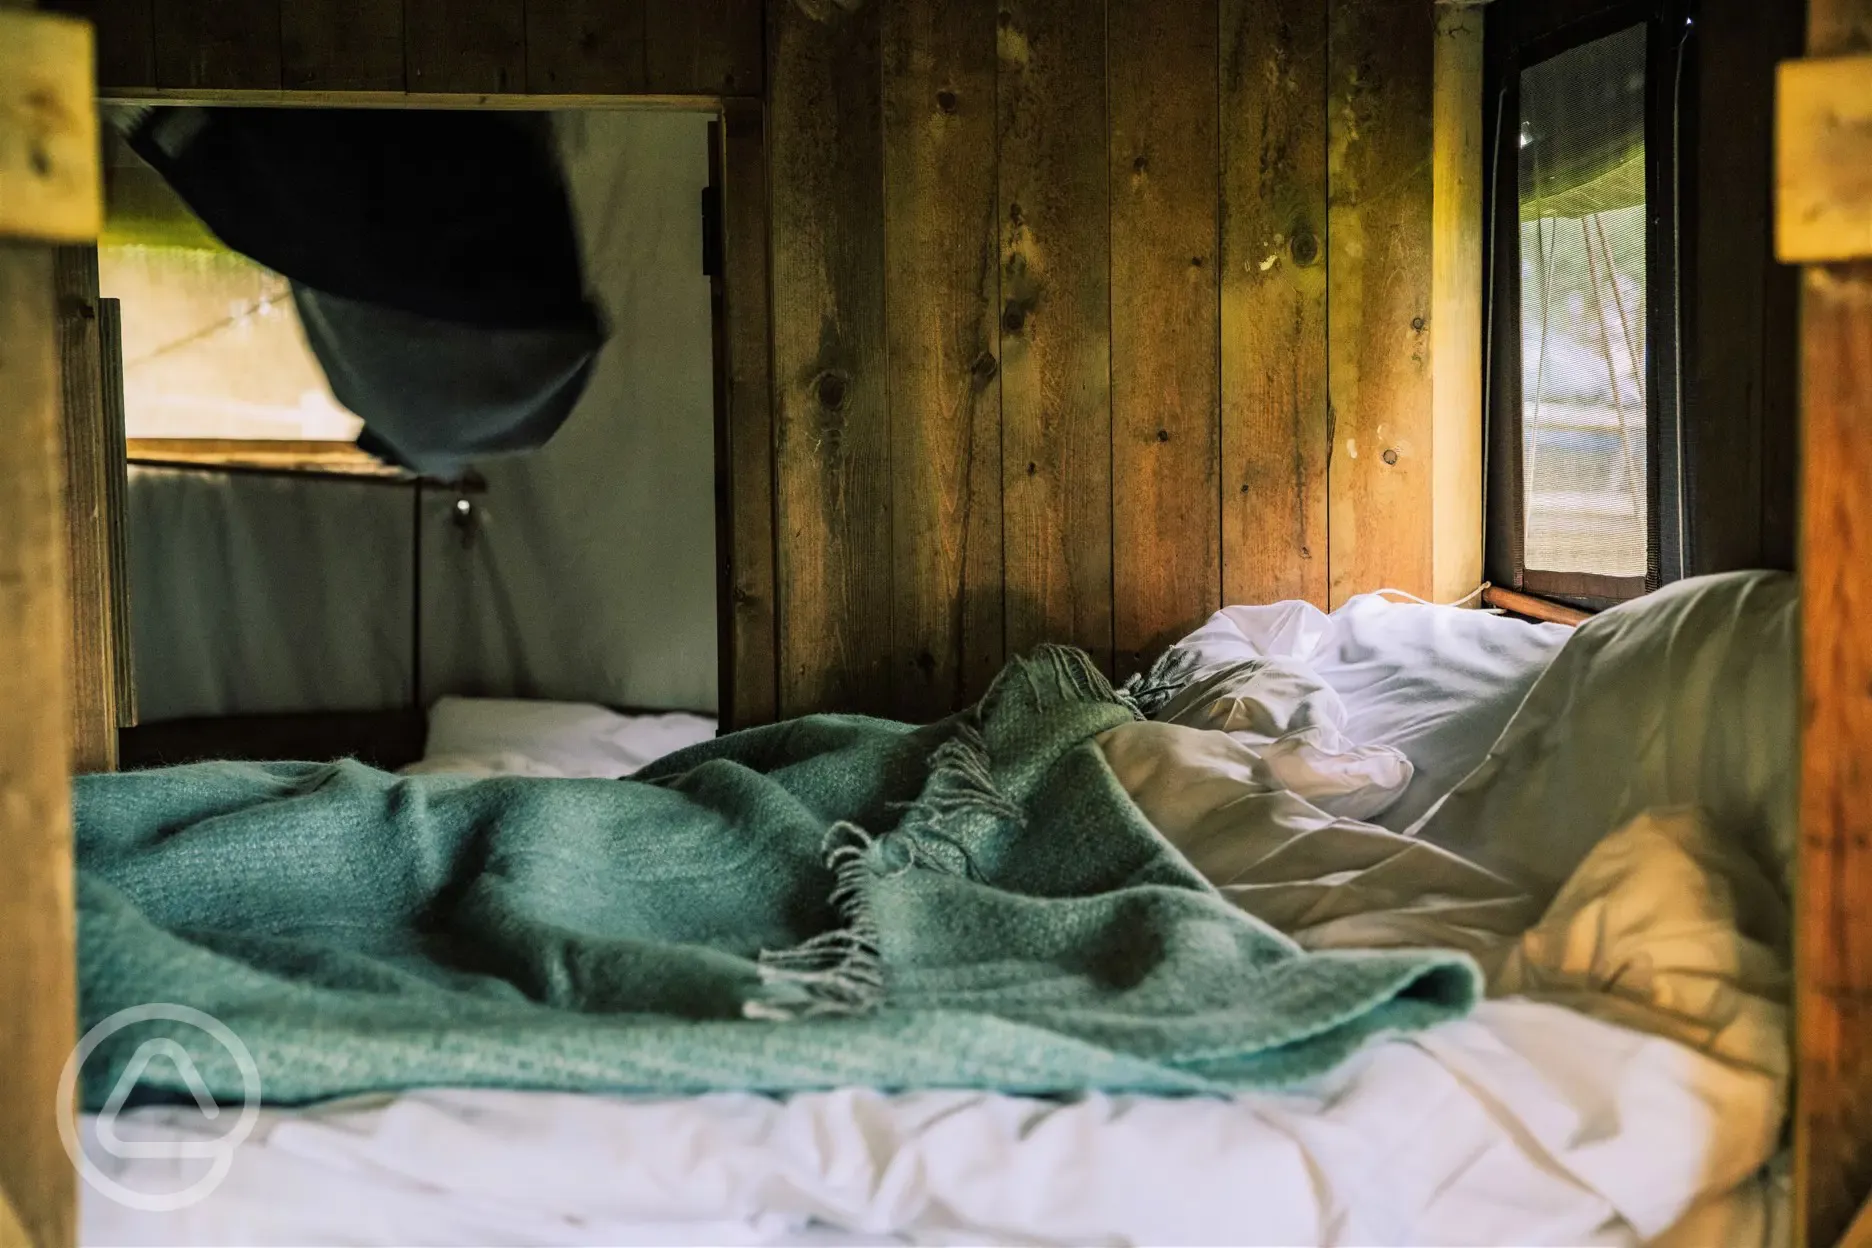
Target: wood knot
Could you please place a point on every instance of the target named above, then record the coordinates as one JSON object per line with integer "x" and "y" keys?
{"x": 40, "y": 160}
{"x": 833, "y": 389}
{"x": 1015, "y": 215}
{"x": 1013, "y": 318}
{"x": 1032, "y": 469}
{"x": 984, "y": 368}
{"x": 1195, "y": 262}
{"x": 1306, "y": 552}
{"x": 946, "y": 100}
{"x": 926, "y": 663}
{"x": 1140, "y": 165}
{"x": 1304, "y": 249}
{"x": 1163, "y": 435}
{"x": 1417, "y": 323}
{"x": 1390, "y": 457}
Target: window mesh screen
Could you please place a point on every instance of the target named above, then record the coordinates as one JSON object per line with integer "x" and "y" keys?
{"x": 1583, "y": 402}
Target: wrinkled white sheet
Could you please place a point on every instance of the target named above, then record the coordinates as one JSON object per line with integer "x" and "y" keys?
{"x": 1526, "y": 1124}
{"x": 1437, "y": 684}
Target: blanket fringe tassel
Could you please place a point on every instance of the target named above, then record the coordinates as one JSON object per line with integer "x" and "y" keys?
{"x": 841, "y": 972}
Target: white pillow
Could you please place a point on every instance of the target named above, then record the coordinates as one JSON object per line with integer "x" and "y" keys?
{"x": 1437, "y": 683}
{"x": 1686, "y": 697}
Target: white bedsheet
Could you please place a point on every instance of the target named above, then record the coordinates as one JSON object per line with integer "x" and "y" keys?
{"x": 1526, "y": 1123}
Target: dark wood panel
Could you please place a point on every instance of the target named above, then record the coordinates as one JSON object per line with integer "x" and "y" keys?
{"x": 117, "y": 508}
{"x": 1379, "y": 112}
{"x": 942, "y": 296}
{"x": 86, "y": 445}
{"x": 711, "y": 47}
{"x": 1739, "y": 356}
{"x": 126, "y": 39}
{"x": 384, "y": 739}
{"x": 1055, "y": 214}
{"x": 1166, "y": 455}
{"x": 465, "y": 45}
{"x": 750, "y": 453}
{"x": 1274, "y": 439}
{"x": 341, "y": 45}
{"x": 37, "y": 946}
{"x": 222, "y": 45}
{"x": 825, "y": 136}
{"x": 584, "y": 46}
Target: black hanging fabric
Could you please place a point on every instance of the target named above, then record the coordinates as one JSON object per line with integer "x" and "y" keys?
{"x": 433, "y": 259}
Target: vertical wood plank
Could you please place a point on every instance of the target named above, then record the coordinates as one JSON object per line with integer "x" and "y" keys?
{"x": 1833, "y": 939}
{"x": 1833, "y": 1123}
{"x": 752, "y": 644}
{"x": 218, "y": 44}
{"x": 584, "y": 46}
{"x": 1458, "y": 209}
{"x": 1379, "y": 111}
{"x": 942, "y": 294}
{"x": 37, "y": 945}
{"x": 126, "y": 39}
{"x": 341, "y": 45}
{"x": 117, "y": 509}
{"x": 825, "y": 136}
{"x": 465, "y": 45}
{"x": 88, "y": 469}
{"x": 1055, "y": 215}
{"x": 1166, "y": 426}
{"x": 704, "y": 47}
{"x": 1274, "y": 439}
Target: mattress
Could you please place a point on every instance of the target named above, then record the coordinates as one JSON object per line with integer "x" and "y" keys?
{"x": 1626, "y": 1083}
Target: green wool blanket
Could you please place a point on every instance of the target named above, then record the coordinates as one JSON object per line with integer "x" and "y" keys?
{"x": 832, "y": 901}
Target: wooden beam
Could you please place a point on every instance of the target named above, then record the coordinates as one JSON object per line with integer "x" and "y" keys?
{"x": 37, "y": 956}
{"x": 1458, "y": 204}
{"x": 49, "y": 157}
{"x": 1833, "y": 935}
{"x": 89, "y": 543}
{"x": 1534, "y": 608}
{"x": 1823, "y": 171}
{"x": 747, "y": 337}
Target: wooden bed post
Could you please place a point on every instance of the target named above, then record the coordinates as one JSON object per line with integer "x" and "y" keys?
{"x": 1824, "y": 220}
{"x": 49, "y": 193}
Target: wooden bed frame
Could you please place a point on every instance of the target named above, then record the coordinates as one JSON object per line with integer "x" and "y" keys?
{"x": 55, "y": 678}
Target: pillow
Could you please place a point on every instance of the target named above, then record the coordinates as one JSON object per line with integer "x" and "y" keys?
{"x": 1437, "y": 683}
{"x": 1291, "y": 720}
{"x": 1686, "y": 697}
{"x": 515, "y": 737}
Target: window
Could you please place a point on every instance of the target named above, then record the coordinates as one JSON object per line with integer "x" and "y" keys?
{"x": 216, "y": 369}
{"x": 1583, "y": 439}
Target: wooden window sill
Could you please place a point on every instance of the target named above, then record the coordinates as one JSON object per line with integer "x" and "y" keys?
{"x": 1535, "y": 608}
{"x": 310, "y": 458}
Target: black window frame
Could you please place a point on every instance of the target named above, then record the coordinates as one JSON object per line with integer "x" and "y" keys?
{"x": 1519, "y": 36}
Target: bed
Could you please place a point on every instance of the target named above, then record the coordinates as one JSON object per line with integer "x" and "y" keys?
{"x": 1370, "y": 779}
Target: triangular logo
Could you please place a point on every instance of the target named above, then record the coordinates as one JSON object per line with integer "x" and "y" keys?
{"x": 178, "y": 1057}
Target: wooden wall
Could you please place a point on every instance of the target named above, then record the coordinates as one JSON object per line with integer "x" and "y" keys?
{"x": 671, "y": 47}
{"x": 1053, "y": 282}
